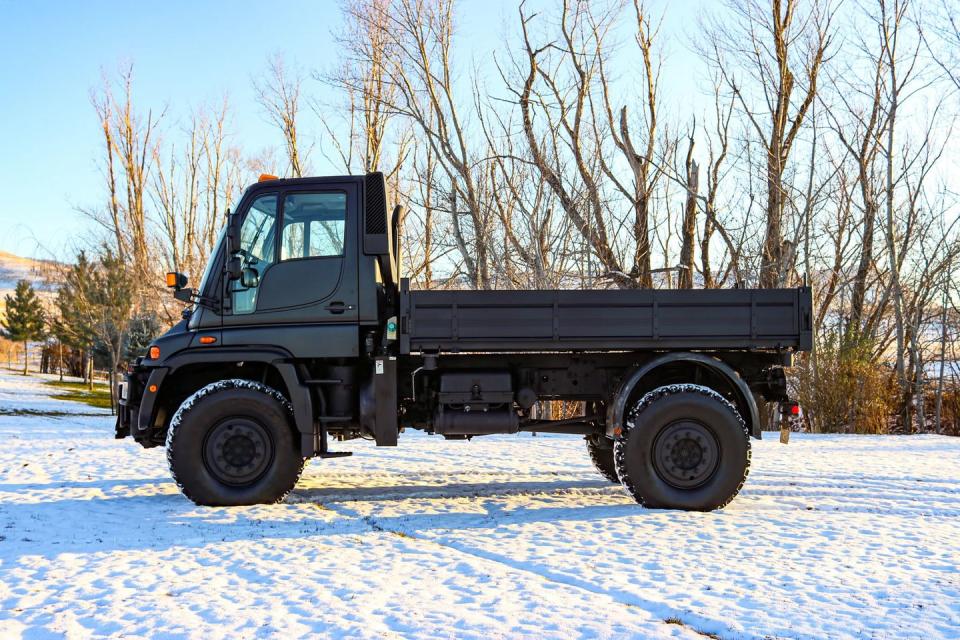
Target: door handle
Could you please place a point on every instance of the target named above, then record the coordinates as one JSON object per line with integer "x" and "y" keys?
{"x": 338, "y": 307}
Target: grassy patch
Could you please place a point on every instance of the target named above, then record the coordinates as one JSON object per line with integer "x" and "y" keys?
{"x": 678, "y": 621}
{"x": 78, "y": 392}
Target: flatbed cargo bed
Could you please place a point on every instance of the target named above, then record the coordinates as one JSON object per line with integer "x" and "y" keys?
{"x": 609, "y": 319}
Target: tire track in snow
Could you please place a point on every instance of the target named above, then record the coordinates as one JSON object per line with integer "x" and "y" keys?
{"x": 697, "y": 626}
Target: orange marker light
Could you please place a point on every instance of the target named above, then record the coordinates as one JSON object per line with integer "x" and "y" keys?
{"x": 266, "y": 176}
{"x": 171, "y": 279}
{"x": 154, "y": 353}
{"x": 207, "y": 339}
{"x": 152, "y": 388}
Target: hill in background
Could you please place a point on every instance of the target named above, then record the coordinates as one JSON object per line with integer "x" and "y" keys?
{"x": 41, "y": 273}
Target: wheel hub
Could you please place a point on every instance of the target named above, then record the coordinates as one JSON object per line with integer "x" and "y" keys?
{"x": 238, "y": 451}
{"x": 686, "y": 454}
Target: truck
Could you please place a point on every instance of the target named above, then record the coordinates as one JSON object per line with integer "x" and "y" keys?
{"x": 302, "y": 334}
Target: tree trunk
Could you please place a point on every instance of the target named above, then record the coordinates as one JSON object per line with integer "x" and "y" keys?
{"x": 705, "y": 252}
{"x": 688, "y": 239}
{"x": 771, "y": 257}
{"x": 918, "y": 375}
{"x": 113, "y": 387}
{"x": 895, "y": 269}
{"x": 641, "y": 231}
{"x": 938, "y": 402}
{"x": 25, "y": 354}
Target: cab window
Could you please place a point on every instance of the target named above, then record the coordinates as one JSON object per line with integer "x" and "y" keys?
{"x": 257, "y": 243}
{"x": 313, "y": 225}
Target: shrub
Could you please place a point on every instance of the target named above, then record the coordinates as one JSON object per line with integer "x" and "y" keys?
{"x": 949, "y": 409}
{"x": 849, "y": 390}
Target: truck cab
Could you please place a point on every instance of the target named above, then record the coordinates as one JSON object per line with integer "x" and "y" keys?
{"x": 302, "y": 332}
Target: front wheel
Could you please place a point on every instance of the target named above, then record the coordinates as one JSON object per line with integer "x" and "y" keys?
{"x": 231, "y": 443}
{"x": 683, "y": 447}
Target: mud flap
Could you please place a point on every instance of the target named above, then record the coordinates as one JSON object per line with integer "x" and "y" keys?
{"x": 121, "y": 430}
{"x": 385, "y": 395}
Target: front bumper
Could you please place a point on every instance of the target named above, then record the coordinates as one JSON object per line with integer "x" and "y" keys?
{"x": 137, "y": 394}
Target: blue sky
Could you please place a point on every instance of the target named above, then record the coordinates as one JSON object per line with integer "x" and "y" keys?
{"x": 185, "y": 54}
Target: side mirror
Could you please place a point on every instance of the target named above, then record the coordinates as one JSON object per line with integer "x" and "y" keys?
{"x": 234, "y": 266}
{"x": 249, "y": 278}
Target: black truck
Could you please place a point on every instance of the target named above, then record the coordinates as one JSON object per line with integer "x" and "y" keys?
{"x": 302, "y": 332}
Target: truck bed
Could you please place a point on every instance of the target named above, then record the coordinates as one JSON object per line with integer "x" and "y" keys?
{"x": 610, "y": 319}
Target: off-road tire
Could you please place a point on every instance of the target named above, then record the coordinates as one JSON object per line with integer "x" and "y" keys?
{"x": 215, "y": 408}
{"x": 601, "y": 455}
{"x": 672, "y": 419}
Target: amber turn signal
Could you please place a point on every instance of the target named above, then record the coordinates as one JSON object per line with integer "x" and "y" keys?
{"x": 207, "y": 339}
{"x": 154, "y": 353}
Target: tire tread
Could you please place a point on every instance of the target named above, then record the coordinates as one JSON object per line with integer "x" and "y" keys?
{"x": 632, "y": 421}
{"x": 603, "y": 461}
{"x": 187, "y": 406}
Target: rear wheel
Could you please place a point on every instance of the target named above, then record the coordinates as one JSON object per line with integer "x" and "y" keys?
{"x": 600, "y": 450}
{"x": 683, "y": 447}
{"x": 231, "y": 443}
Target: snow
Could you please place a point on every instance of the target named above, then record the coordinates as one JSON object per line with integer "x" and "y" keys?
{"x": 502, "y": 537}
{"x": 31, "y": 394}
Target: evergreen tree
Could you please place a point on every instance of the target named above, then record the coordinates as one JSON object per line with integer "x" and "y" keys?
{"x": 24, "y": 319}
{"x": 144, "y": 328}
{"x": 75, "y": 306}
{"x": 95, "y": 303}
{"x": 112, "y": 290}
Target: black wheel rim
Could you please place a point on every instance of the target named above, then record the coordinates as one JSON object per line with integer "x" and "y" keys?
{"x": 686, "y": 454}
{"x": 238, "y": 451}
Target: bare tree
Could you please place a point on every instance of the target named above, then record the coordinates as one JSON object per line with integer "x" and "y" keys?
{"x": 563, "y": 105}
{"x": 363, "y": 79}
{"x": 945, "y": 32}
{"x": 777, "y": 102}
{"x": 278, "y": 92}
{"x": 129, "y": 139}
{"x": 719, "y": 145}
{"x": 422, "y": 73}
{"x": 192, "y": 186}
{"x": 642, "y": 163}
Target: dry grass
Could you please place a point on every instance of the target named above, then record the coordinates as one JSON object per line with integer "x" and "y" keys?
{"x": 849, "y": 391}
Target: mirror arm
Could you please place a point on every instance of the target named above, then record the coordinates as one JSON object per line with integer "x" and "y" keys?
{"x": 191, "y": 296}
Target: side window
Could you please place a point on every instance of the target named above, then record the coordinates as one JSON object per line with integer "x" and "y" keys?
{"x": 313, "y": 225}
{"x": 257, "y": 243}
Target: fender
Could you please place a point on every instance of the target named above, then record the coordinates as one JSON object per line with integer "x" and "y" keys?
{"x": 617, "y": 409}
{"x": 225, "y": 354}
{"x": 300, "y": 397}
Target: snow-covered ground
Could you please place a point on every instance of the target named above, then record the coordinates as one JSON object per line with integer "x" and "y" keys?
{"x": 502, "y": 537}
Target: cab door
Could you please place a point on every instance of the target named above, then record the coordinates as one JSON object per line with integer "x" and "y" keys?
{"x": 300, "y": 242}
